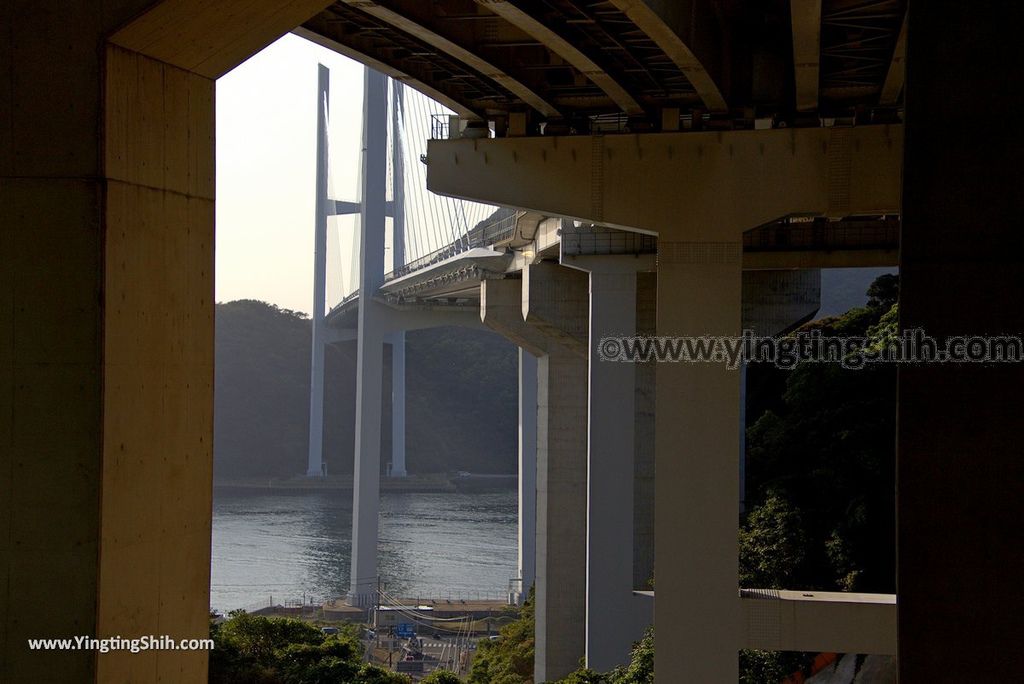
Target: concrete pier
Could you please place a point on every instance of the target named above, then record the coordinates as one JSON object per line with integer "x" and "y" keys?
{"x": 697, "y": 487}
{"x": 560, "y": 607}
{"x": 546, "y": 314}
{"x": 527, "y": 526}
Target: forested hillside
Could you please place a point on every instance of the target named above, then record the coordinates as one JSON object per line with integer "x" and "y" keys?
{"x": 461, "y": 406}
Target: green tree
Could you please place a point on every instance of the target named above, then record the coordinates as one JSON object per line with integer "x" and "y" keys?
{"x": 772, "y": 544}
{"x": 821, "y": 473}
{"x": 639, "y": 671}
{"x": 826, "y": 444}
{"x": 641, "y": 663}
{"x": 441, "y": 677}
{"x": 769, "y": 667}
{"x": 508, "y": 659}
{"x": 884, "y": 291}
{"x": 253, "y": 649}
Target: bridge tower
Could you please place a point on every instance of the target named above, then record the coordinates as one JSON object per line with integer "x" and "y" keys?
{"x": 326, "y": 207}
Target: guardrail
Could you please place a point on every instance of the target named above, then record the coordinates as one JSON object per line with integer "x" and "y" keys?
{"x": 484, "y": 235}
{"x": 824, "y": 235}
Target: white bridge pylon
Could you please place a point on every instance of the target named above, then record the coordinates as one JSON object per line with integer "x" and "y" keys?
{"x": 327, "y": 207}
{"x": 438, "y": 224}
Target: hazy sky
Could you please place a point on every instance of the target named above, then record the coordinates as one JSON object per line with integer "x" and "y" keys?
{"x": 266, "y": 138}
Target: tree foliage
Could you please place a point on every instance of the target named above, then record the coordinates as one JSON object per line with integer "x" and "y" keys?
{"x": 821, "y": 475}
{"x": 508, "y": 659}
{"x": 640, "y": 669}
{"x": 772, "y": 544}
{"x": 821, "y": 467}
{"x": 253, "y": 649}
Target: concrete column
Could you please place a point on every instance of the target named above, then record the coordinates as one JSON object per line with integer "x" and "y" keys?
{"x": 643, "y": 454}
{"x": 107, "y": 317}
{"x": 560, "y": 606}
{"x": 314, "y": 467}
{"x": 697, "y": 460}
{"x": 555, "y": 303}
{"x": 960, "y": 475}
{"x": 546, "y": 314}
{"x": 398, "y": 404}
{"x": 369, "y": 345}
{"x": 743, "y": 436}
{"x": 527, "y": 529}
{"x": 613, "y": 619}
{"x": 106, "y": 347}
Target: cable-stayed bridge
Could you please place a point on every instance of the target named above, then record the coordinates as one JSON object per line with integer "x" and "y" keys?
{"x": 422, "y": 260}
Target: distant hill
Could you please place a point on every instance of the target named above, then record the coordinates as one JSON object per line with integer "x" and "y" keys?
{"x": 461, "y": 397}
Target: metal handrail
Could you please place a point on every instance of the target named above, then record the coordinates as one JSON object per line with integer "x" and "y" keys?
{"x": 479, "y": 236}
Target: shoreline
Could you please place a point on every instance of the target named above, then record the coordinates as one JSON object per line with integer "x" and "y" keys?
{"x": 439, "y": 483}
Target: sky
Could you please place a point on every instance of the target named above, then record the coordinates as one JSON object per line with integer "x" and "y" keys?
{"x": 266, "y": 142}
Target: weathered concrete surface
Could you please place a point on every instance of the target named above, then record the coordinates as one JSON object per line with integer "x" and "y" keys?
{"x": 106, "y": 330}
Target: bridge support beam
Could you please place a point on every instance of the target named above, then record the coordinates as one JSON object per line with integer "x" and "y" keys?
{"x": 527, "y": 530}
{"x": 615, "y": 616}
{"x": 643, "y": 459}
{"x": 676, "y": 184}
{"x": 546, "y": 314}
{"x": 560, "y": 606}
{"x": 697, "y": 462}
{"x": 555, "y": 303}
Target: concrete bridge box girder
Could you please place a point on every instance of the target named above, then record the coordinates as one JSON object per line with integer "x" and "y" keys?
{"x": 704, "y": 187}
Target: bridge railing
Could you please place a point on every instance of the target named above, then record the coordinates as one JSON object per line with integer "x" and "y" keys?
{"x": 494, "y": 231}
{"x": 797, "y": 235}
{"x": 439, "y": 125}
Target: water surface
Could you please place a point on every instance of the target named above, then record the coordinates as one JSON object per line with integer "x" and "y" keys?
{"x": 288, "y": 545}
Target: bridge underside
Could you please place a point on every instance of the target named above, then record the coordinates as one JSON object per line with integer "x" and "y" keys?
{"x": 587, "y": 66}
